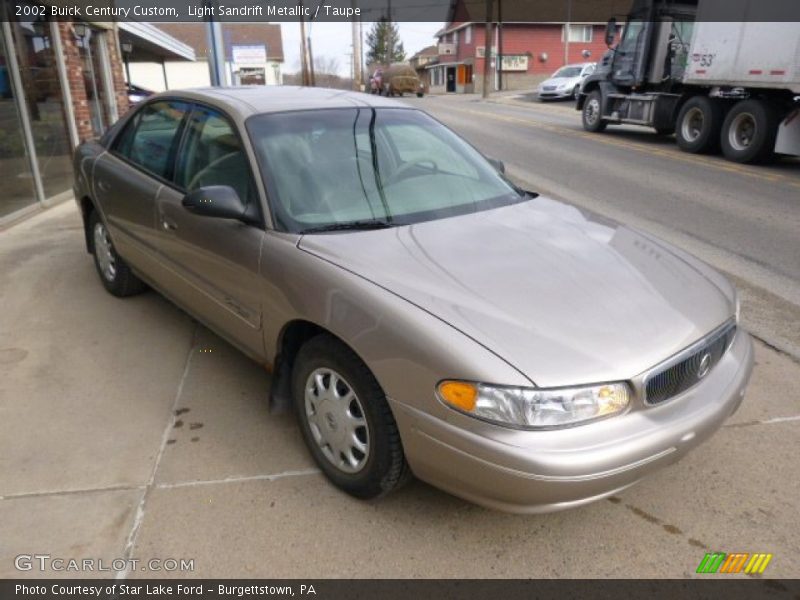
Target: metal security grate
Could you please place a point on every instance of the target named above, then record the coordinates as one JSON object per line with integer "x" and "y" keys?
{"x": 690, "y": 369}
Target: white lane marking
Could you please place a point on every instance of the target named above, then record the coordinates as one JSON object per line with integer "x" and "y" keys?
{"x": 140, "y": 509}
{"x": 270, "y": 477}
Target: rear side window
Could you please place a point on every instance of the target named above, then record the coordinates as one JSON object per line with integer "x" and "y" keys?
{"x": 212, "y": 154}
{"x": 151, "y": 138}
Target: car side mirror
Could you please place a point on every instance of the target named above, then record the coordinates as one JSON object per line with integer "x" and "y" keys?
{"x": 497, "y": 164}
{"x": 220, "y": 201}
{"x": 611, "y": 31}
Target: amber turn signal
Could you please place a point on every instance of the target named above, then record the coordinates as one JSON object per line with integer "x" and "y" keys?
{"x": 459, "y": 394}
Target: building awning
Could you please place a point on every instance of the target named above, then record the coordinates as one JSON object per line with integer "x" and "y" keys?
{"x": 151, "y": 44}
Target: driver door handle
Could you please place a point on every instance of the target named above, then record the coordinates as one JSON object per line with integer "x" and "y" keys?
{"x": 167, "y": 225}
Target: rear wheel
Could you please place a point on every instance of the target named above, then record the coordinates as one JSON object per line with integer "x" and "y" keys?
{"x": 698, "y": 125}
{"x": 114, "y": 272}
{"x": 592, "y": 112}
{"x": 346, "y": 421}
{"x": 748, "y": 134}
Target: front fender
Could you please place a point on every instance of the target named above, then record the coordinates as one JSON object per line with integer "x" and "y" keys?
{"x": 408, "y": 349}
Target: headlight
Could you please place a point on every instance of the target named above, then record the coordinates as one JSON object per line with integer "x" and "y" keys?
{"x": 532, "y": 408}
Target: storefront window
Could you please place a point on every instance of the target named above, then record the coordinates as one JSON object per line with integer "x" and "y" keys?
{"x": 18, "y": 189}
{"x": 43, "y": 96}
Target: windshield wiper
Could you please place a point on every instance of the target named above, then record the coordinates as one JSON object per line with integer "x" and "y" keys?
{"x": 349, "y": 226}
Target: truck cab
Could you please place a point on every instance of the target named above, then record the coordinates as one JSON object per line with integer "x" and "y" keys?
{"x": 654, "y": 77}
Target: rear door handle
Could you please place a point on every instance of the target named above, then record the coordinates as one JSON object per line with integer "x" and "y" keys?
{"x": 168, "y": 225}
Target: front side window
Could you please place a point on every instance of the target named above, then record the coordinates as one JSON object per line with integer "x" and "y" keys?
{"x": 339, "y": 166}
{"x": 213, "y": 155}
{"x": 150, "y": 139}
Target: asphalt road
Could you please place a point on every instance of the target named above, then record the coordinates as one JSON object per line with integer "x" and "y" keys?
{"x": 744, "y": 220}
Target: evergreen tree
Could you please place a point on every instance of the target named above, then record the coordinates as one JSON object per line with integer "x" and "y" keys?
{"x": 383, "y": 43}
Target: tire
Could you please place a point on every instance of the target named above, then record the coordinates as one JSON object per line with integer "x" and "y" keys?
{"x": 115, "y": 274}
{"x": 591, "y": 115}
{"x": 576, "y": 92}
{"x": 380, "y": 465}
{"x": 749, "y": 132}
{"x": 698, "y": 125}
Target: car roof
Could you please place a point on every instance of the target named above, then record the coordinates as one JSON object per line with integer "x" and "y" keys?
{"x": 247, "y": 100}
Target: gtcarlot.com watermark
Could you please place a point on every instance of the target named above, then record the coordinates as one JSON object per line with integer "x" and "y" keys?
{"x": 57, "y": 564}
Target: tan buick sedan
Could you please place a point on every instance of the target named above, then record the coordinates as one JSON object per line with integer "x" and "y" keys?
{"x": 420, "y": 312}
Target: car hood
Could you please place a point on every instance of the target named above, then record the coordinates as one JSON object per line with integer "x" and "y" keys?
{"x": 556, "y": 81}
{"x": 563, "y": 296}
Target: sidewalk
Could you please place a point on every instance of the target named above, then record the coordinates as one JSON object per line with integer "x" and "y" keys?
{"x": 129, "y": 431}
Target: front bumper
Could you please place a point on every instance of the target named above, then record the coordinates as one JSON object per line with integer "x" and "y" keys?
{"x": 543, "y": 471}
{"x": 555, "y": 94}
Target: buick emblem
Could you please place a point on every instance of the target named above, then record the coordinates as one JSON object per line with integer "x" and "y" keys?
{"x": 705, "y": 365}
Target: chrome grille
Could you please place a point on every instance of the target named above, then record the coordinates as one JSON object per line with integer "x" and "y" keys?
{"x": 694, "y": 364}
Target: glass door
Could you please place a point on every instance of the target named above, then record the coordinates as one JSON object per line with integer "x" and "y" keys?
{"x": 18, "y": 186}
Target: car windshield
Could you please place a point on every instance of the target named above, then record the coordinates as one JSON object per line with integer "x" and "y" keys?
{"x": 568, "y": 72}
{"x": 327, "y": 169}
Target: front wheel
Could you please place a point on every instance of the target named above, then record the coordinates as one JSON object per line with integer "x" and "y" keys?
{"x": 576, "y": 92}
{"x": 749, "y": 132}
{"x": 114, "y": 272}
{"x": 346, "y": 421}
{"x": 592, "y": 112}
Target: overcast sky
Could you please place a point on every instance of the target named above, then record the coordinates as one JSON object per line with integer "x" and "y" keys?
{"x": 334, "y": 40}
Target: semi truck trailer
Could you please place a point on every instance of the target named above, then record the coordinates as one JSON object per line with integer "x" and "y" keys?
{"x": 718, "y": 85}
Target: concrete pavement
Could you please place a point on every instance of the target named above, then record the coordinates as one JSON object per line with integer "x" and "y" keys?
{"x": 129, "y": 431}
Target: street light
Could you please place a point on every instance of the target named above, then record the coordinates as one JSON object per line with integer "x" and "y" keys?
{"x": 82, "y": 31}
{"x": 127, "y": 48}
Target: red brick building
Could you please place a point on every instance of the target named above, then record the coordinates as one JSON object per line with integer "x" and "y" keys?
{"x": 530, "y": 52}
{"x": 61, "y": 82}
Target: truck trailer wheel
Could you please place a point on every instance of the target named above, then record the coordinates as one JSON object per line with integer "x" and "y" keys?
{"x": 698, "y": 125}
{"x": 592, "y": 115}
{"x": 748, "y": 134}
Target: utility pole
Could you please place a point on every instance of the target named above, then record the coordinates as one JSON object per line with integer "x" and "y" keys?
{"x": 312, "y": 80}
{"x": 499, "y": 44}
{"x": 566, "y": 32}
{"x": 216, "y": 49}
{"x": 487, "y": 51}
{"x": 357, "y": 73}
{"x": 303, "y": 50}
{"x": 390, "y": 41}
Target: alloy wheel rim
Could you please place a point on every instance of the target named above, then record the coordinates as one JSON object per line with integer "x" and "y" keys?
{"x": 103, "y": 252}
{"x": 742, "y": 131}
{"x": 692, "y": 125}
{"x": 337, "y": 421}
{"x": 592, "y": 111}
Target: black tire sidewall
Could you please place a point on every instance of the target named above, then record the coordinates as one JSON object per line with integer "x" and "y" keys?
{"x": 599, "y": 125}
{"x": 111, "y": 285}
{"x": 708, "y": 139}
{"x": 327, "y": 352}
{"x": 125, "y": 283}
{"x": 763, "y": 145}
